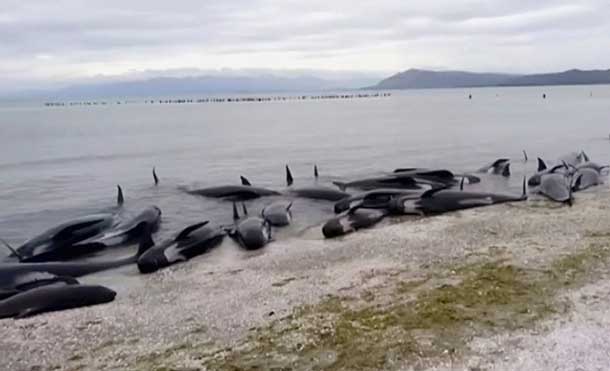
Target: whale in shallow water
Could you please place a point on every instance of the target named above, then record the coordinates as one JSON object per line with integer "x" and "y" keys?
{"x": 250, "y": 232}
{"x": 54, "y": 298}
{"x": 45, "y": 245}
{"x": 442, "y": 200}
{"x": 131, "y": 229}
{"x": 543, "y": 169}
{"x": 192, "y": 241}
{"x": 234, "y": 192}
{"x": 64, "y": 235}
{"x": 376, "y": 199}
{"x": 437, "y": 177}
{"x": 122, "y": 234}
{"x": 11, "y": 272}
{"x": 314, "y": 192}
{"x": 573, "y": 158}
{"x": 278, "y": 214}
{"x": 592, "y": 165}
{"x": 352, "y": 221}
{"x": 397, "y": 180}
{"x": 499, "y": 167}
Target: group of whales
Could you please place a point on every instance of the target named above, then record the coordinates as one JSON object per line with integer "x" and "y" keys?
{"x": 41, "y": 274}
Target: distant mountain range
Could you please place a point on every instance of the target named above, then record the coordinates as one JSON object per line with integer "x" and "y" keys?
{"x": 423, "y": 79}
{"x": 238, "y": 82}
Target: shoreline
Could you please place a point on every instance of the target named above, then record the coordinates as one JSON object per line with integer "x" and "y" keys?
{"x": 290, "y": 305}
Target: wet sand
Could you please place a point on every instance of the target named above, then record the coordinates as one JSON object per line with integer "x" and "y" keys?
{"x": 207, "y": 315}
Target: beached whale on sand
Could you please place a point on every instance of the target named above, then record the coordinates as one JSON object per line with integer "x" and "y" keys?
{"x": 352, "y": 221}
{"x": 192, "y": 241}
{"x": 558, "y": 187}
{"x": 588, "y": 178}
{"x": 32, "y": 280}
{"x": 54, "y": 298}
{"x": 11, "y": 272}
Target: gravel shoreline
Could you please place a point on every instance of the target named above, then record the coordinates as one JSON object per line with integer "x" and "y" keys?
{"x": 215, "y": 302}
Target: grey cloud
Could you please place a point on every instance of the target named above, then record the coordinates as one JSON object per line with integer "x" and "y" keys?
{"x": 71, "y": 38}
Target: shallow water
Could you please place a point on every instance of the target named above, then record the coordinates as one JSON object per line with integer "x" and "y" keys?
{"x": 62, "y": 162}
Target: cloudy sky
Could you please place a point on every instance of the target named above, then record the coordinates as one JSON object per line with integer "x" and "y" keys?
{"x": 45, "y": 41}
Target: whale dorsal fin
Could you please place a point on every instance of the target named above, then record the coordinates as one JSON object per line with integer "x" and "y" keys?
{"x": 315, "y": 171}
{"x": 506, "y": 170}
{"x": 499, "y": 162}
{"x": 235, "y": 213}
{"x": 289, "y": 178}
{"x": 119, "y": 198}
{"x": 186, "y": 231}
{"x": 12, "y": 250}
{"x": 576, "y": 185}
{"x": 244, "y": 209}
{"x": 155, "y": 177}
{"x": 462, "y": 183}
{"x": 541, "y": 164}
{"x": 245, "y": 181}
{"x": 525, "y": 158}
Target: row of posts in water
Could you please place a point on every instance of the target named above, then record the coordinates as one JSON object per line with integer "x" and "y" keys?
{"x": 224, "y": 99}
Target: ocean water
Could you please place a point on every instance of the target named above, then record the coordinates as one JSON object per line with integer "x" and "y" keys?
{"x": 61, "y": 162}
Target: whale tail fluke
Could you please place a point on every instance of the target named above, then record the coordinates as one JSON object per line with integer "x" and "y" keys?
{"x": 245, "y": 181}
{"x": 155, "y": 177}
{"x": 120, "y": 200}
{"x": 289, "y": 178}
{"x": 584, "y": 156}
{"x": 12, "y": 250}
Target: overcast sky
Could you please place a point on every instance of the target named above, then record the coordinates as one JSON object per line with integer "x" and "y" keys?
{"x": 43, "y": 40}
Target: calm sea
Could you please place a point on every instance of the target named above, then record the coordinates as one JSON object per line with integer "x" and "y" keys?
{"x": 61, "y": 162}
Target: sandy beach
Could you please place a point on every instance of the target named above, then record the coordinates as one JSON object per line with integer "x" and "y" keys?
{"x": 518, "y": 286}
